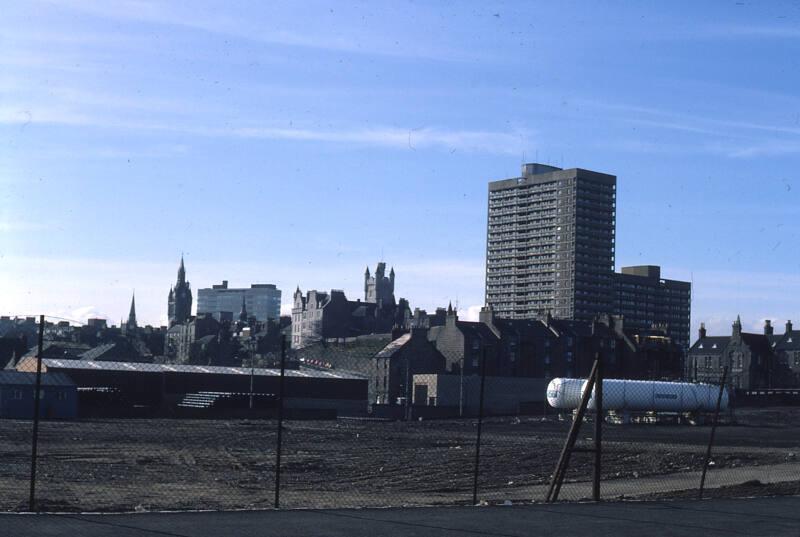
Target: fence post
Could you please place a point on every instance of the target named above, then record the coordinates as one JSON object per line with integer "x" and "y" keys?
{"x": 461, "y": 388}
{"x": 280, "y": 426}
{"x": 713, "y": 432}
{"x": 598, "y": 427}
{"x": 36, "y": 406}
{"x": 480, "y": 426}
{"x": 569, "y": 446}
{"x": 252, "y": 375}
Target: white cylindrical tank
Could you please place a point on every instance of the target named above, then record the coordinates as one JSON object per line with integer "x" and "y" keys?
{"x": 639, "y": 395}
{"x": 565, "y": 393}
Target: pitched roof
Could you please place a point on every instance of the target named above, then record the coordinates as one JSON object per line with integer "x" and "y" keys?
{"x": 74, "y": 348}
{"x": 93, "y": 354}
{"x": 205, "y": 340}
{"x": 354, "y": 355}
{"x": 571, "y": 327}
{"x": 790, "y": 341}
{"x": 394, "y": 347}
{"x": 526, "y": 328}
{"x": 476, "y": 329}
{"x": 757, "y": 342}
{"x": 710, "y": 345}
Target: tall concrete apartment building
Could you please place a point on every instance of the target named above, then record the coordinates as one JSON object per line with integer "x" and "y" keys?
{"x": 262, "y": 301}
{"x": 550, "y": 244}
{"x": 647, "y": 300}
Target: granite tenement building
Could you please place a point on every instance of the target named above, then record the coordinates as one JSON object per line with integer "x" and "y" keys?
{"x": 754, "y": 361}
{"x": 550, "y": 244}
{"x": 320, "y": 316}
{"x": 748, "y": 357}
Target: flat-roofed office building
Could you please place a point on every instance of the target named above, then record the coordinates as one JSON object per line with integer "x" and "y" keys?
{"x": 262, "y": 301}
{"x": 550, "y": 244}
{"x": 646, "y": 300}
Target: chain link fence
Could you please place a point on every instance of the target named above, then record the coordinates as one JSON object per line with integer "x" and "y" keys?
{"x": 336, "y": 426}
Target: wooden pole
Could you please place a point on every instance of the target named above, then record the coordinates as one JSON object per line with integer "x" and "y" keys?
{"x": 480, "y": 426}
{"x": 279, "y": 444}
{"x": 598, "y": 427}
{"x": 36, "y": 406}
{"x": 563, "y": 460}
{"x": 713, "y": 431}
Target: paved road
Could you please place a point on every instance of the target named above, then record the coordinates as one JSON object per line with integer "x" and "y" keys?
{"x": 614, "y": 488}
{"x": 774, "y": 517}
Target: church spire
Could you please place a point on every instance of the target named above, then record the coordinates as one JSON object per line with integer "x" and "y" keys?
{"x": 243, "y": 313}
{"x": 132, "y": 314}
{"x": 181, "y": 272}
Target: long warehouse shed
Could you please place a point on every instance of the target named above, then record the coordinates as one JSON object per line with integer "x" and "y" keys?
{"x": 154, "y": 385}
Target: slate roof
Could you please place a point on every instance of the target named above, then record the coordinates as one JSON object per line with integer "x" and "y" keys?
{"x": 710, "y": 345}
{"x": 394, "y": 347}
{"x": 757, "y": 342}
{"x": 205, "y": 340}
{"x": 476, "y": 329}
{"x": 716, "y": 344}
{"x": 570, "y": 327}
{"x": 74, "y": 348}
{"x": 93, "y": 354}
{"x": 526, "y": 328}
{"x": 353, "y": 355}
{"x": 789, "y": 341}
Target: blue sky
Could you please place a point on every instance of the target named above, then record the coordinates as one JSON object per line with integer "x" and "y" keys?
{"x": 296, "y": 143}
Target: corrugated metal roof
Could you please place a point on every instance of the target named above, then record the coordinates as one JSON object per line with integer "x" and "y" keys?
{"x": 54, "y": 363}
{"x": 17, "y": 378}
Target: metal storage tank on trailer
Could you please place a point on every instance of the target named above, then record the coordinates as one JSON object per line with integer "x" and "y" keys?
{"x": 639, "y": 395}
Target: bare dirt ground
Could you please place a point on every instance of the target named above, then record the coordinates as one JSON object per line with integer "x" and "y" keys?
{"x": 127, "y": 465}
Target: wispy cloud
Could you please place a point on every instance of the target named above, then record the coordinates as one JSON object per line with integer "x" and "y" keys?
{"x": 315, "y": 32}
{"x": 724, "y": 137}
{"x": 411, "y": 138}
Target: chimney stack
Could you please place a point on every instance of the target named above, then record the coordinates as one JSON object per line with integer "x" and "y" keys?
{"x": 702, "y": 331}
{"x": 788, "y": 326}
{"x": 768, "y": 328}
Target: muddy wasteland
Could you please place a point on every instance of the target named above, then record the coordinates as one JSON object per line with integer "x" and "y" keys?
{"x": 137, "y": 465}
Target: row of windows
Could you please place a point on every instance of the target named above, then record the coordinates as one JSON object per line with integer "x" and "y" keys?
{"x": 17, "y": 395}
